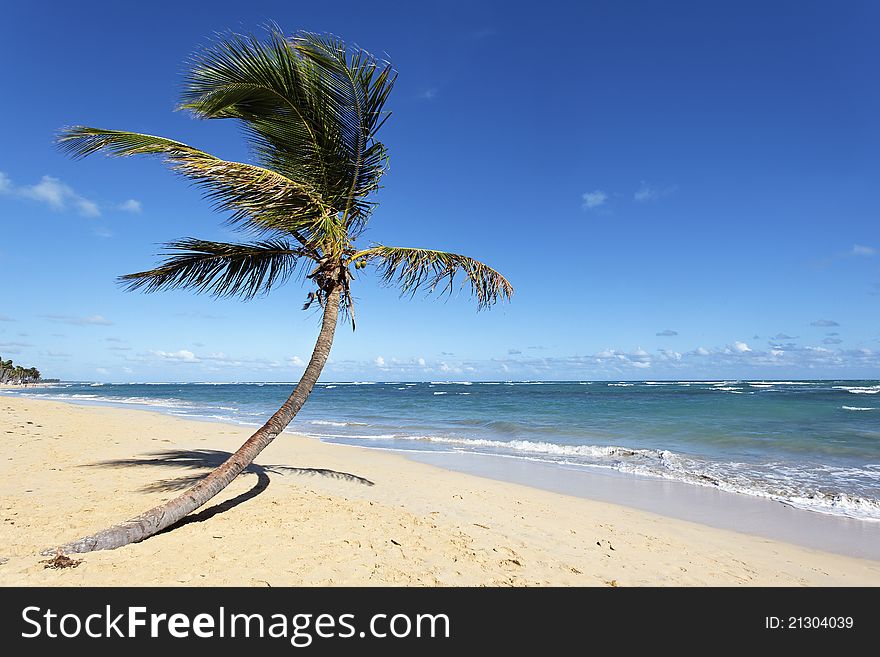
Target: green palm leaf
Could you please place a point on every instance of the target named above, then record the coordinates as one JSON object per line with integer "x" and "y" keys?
{"x": 414, "y": 269}
{"x": 259, "y": 198}
{"x": 219, "y": 268}
{"x": 357, "y": 87}
{"x": 263, "y": 85}
{"x": 310, "y": 109}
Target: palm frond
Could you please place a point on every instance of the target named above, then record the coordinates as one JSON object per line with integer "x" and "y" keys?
{"x": 219, "y": 268}
{"x": 258, "y": 198}
{"x": 261, "y": 84}
{"x": 413, "y": 269}
{"x": 357, "y": 87}
{"x": 310, "y": 109}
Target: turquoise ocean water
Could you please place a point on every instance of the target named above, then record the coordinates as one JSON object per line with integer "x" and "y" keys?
{"x": 812, "y": 444}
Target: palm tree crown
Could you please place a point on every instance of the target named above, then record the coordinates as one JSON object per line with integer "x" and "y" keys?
{"x": 311, "y": 109}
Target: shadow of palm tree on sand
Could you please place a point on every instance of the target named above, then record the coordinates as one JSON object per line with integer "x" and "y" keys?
{"x": 208, "y": 459}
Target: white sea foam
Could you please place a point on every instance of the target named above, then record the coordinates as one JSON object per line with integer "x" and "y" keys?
{"x": 535, "y": 447}
{"x": 441, "y": 393}
{"x": 858, "y": 408}
{"x": 329, "y": 423}
{"x": 859, "y": 390}
{"x": 775, "y": 482}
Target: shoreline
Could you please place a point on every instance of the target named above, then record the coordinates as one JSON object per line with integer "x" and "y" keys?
{"x": 747, "y": 514}
{"x": 650, "y": 492}
{"x": 418, "y": 525}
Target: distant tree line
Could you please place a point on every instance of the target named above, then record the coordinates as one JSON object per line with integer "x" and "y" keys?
{"x": 12, "y": 373}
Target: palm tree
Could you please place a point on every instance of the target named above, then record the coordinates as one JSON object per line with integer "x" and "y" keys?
{"x": 311, "y": 109}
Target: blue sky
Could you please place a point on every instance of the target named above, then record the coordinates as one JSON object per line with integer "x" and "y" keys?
{"x": 676, "y": 190}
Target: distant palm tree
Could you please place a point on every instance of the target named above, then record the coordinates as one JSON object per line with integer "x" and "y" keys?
{"x": 310, "y": 108}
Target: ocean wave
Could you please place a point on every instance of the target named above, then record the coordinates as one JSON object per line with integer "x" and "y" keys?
{"x": 534, "y": 447}
{"x": 333, "y": 423}
{"x": 859, "y": 390}
{"x": 441, "y": 393}
{"x": 775, "y": 481}
{"x": 107, "y": 399}
{"x": 858, "y": 408}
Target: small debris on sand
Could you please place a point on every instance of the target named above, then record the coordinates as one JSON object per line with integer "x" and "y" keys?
{"x": 60, "y": 561}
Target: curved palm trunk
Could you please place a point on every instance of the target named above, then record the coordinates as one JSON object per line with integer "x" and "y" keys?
{"x": 165, "y": 515}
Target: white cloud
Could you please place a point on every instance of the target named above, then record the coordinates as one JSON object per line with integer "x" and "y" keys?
{"x": 421, "y": 362}
{"x": 741, "y": 347}
{"x": 667, "y": 333}
{"x": 380, "y": 362}
{"x": 181, "y": 356}
{"x": 862, "y": 250}
{"x": 670, "y": 355}
{"x": 56, "y": 194}
{"x": 92, "y": 320}
{"x": 60, "y": 196}
{"x": 4, "y": 345}
{"x": 131, "y": 205}
{"x": 102, "y": 370}
{"x": 648, "y": 192}
{"x": 296, "y": 360}
{"x": 824, "y": 322}
{"x": 701, "y": 351}
{"x": 641, "y": 364}
{"x": 50, "y": 191}
{"x": 87, "y": 208}
{"x": 594, "y": 199}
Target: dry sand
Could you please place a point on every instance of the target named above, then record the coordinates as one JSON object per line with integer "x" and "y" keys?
{"x": 417, "y": 525}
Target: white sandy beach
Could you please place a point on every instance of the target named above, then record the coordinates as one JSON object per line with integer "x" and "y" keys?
{"x": 417, "y": 525}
